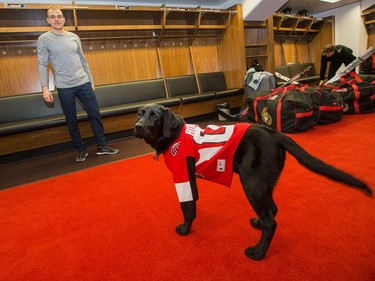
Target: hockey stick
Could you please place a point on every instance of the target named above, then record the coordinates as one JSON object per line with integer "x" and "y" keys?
{"x": 243, "y": 112}
{"x": 295, "y": 77}
{"x": 284, "y": 78}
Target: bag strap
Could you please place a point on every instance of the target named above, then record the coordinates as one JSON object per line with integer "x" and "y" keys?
{"x": 274, "y": 92}
{"x": 356, "y": 92}
{"x": 352, "y": 74}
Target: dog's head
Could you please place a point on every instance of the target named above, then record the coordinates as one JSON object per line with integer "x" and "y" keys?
{"x": 158, "y": 126}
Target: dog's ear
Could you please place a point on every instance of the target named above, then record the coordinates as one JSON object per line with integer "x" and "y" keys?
{"x": 170, "y": 122}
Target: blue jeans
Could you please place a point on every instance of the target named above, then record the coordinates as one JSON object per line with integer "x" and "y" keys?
{"x": 85, "y": 94}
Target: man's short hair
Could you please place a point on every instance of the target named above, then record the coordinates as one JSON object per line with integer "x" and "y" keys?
{"x": 53, "y": 8}
{"x": 328, "y": 48}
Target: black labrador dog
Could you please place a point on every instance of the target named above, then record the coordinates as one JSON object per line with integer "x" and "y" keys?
{"x": 258, "y": 157}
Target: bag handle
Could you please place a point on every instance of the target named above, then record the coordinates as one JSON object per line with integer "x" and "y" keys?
{"x": 352, "y": 74}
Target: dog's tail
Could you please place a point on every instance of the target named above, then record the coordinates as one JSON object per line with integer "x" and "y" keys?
{"x": 316, "y": 165}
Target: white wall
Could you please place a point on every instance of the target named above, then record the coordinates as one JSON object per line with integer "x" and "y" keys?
{"x": 349, "y": 28}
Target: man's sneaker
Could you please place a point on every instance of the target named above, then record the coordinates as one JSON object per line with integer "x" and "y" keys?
{"x": 82, "y": 154}
{"x": 106, "y": 150}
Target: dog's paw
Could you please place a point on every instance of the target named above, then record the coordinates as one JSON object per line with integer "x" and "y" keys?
{"x": 255, "y": 223}
{"x": 184, "y": 229}
{"x": 252, "y": 253}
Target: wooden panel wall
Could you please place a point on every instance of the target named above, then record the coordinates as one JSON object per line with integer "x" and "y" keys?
{"x": 232, "y": 51}
{"x": 303, "y": 52}
{"x": 115, "y": 62}
{"x": 206, "y": 58}
{"x": 18, "y": 70}
{"x": 279, "y": 54}
{"x": 175, "y": 60}
{"x": 290, "y": 52}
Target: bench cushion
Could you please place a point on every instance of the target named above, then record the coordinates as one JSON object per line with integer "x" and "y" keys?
{"x": 23, "y": 107}
{"x": 182, "y": 85}
{"x": 212, "y": 81}
{"x": 283, "y": 70}
{"x": 130, "y": 92}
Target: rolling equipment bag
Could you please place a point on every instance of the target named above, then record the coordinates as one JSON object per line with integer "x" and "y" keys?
{"x": 287, "y": 109}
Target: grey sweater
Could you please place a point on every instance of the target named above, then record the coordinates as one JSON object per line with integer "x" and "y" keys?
{"x": 64, "y": 53}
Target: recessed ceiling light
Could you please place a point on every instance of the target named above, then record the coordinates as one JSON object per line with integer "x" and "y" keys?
{"x": 330, "y": 1}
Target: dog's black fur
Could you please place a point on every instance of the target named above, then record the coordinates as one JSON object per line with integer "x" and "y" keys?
{"x": 259, "y": 160}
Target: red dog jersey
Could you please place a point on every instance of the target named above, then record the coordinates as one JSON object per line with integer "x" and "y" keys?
{"x": 212, "y": 148}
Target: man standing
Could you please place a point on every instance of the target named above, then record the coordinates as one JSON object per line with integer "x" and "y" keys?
{"x": 72, "y": 78}
{"x": 336, "y": 55}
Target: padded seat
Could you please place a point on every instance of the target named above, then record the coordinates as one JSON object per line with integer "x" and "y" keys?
{"x": 30, "y": 106}
{"x": 186, "y": 88}
{"x": 214, "y": 82}
{"x": 23, "y": 113}
{"x": 182, "y": 85}
{"x": 283, "y": 70}
{"x": 125, "y": 98}
{"x": 130, "y": 92}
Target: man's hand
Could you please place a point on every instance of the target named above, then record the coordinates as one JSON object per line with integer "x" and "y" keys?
{"x": 47, "y": 95}
{"x": 321, "y": 83}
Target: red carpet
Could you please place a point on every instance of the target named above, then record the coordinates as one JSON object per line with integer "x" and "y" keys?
{"x": 116, "y": 222}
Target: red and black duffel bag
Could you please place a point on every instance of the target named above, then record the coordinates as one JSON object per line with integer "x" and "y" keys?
{"x": 358, "y": 95}
{"x": 287, "y": 109}
{"x": 328, "y": 105}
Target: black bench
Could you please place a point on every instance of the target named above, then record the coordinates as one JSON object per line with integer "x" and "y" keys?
{"x": 186, "y": 88}
{"x": 29, "y": 112}
{"x": 27, "y": 122}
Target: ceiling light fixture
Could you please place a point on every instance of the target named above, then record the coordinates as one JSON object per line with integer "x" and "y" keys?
{"x": 330, "y": 1}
